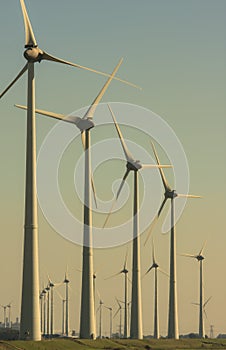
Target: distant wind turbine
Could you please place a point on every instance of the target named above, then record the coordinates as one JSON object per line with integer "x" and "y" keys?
{"x": 30, "y": 313}
{"x": 136, "y": 328}
{"x": 4, "y": 308}
{"x": 170, "y": 194}
{"x": 119, "y": 310}
{"x": 155, "y": 266}
{"x": 100, "y": 317}
{"x": 9, "y": 313}
{"x": 87, "y": 318}
{"x": 199, "y": 257}
{"x": 125, "y": 272}
{"x": 110, "y": 321}
{"x": 204, "y": 312}
{"x": 66, "y": 282}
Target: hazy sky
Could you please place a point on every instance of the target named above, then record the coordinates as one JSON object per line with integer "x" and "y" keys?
{"x": 176, "y": 51}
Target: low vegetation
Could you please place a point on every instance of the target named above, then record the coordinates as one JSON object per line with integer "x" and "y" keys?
{"x": 108, "y": 344}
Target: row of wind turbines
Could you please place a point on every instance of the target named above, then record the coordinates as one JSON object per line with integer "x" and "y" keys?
{"x": 30, "y": 311}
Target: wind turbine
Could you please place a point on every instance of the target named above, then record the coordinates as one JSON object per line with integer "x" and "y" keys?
{"x": 51, "y": 286}
{"x": 170, "y": 194}
{"x": 44, "y": 292}
{"x": 125, "y": 272}
{"x": 66, "y": 282}
{"x": 87, "y": 318}
{"x": 136, "y": 328}
{"x": 30, "y": 312}
{"x": 110, "y": 314}
{"x": 203, "y": 307}
{"x": 47, "y": 311}
{"x": 9, "y": 313}
{"x": 4, "y": 308}
{"x": 41, "y": 296}
{"x": 155, "y": 266}
{"x": 100, "y": 317}
{"x": 119, "y": 310}
{"x": 199, "y": 257}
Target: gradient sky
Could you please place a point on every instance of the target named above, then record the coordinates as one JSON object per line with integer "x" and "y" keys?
{"x": 176, "y": 51}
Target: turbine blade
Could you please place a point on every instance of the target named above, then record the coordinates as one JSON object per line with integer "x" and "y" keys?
{"x": 202, "y": 249}
{"x": 48, "y": 57}
{"x": 83, "y": 137}
{"x": 153, "y": 251}
{"x": 23, "y": 70}
{"x": 65, "y": 118}
{"x": 116, "y": 313}
{"x": 29, "y": 35}
{"x": 116, "y": 274}
{"x": 188, "y": 255}
{"x": 165, "y": 183}
{"x": 187, "y": 196}
{"x": 162, "y": 206}
{"x": 164, "y": 272}
{"x": 155, "y": 221}
{"x": 92, "y": 108}
{"x": 197, "y": 304}
{"x": 205, "y": 314}
{"x": 151, "y": 166}
{"x": 151, "y": 229}
{"x": 150, "y": 268}
{"x": 117, "y": 195}
{"x": 118, "y": 303}
{"x": 126, "y": 256}
{"x": 204, "y": 305}
{"x": 125, "y": 149}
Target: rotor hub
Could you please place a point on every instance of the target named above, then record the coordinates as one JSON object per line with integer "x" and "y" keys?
{"x": 33, "y": 54}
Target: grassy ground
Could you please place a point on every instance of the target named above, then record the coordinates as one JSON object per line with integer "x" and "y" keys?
{"x": 107, "y": 344}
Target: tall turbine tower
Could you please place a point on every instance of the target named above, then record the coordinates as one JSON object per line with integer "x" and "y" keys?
{"x": 110, "y": 320}
{"x": 155, "y": 266}
{"x": 136, "y": 328}
{"x": 201, "y": 304}
{"x": 171, "y": 194}
{"x": 87, "y": 318}
{"x": 66, "y": 282}
{"x": 30, "y": 312}
{"x": 125, "y": 272}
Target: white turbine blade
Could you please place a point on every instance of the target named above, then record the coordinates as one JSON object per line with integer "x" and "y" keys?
{"x": 165, "y": 183}
{"x": 204, "y": 305}
{"x": 205, "y": 314}
{"x": 164, "y": 272}
{"x": 126, "y": 256}
{"x": 188, "y": 255}
{"x": 29, "y": 35}
{"x": 92, "y": 108}
{"x": 128, "y": 155}
{"x": 118, "y": 193}
{"x": 197, "y": 304}
{"x": 68, "y": 119}
{"x": 187, "y": 196}
{"x": 48, "y": 57}
{"x": 83, "y": 137}
{"x": 116, "y": 274}
{"x": 153, "y": 251}
{"x": 155, "y": 221}
{"x": 116, "y": 313}
{"x": 15, "y": 80}
{"x": 201, "y": 251}
{"x": 151, "y": 166}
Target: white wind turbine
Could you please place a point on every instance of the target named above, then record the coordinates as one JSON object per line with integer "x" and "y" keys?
{"x": 155, "y": 266}
{"x": 119, "y": 310}
{"x": 204, "y": 312}
{"x": 125, "y": 272}
{"x": 170, "y": 194}
{"x": 100, "y": 316}
{"x": 66, "y": 282}
{"x": 199, "y": 257}
{"x": 110, "y": 320}
{"x": 4, "y": 308}
{"x": 87, "y": 318}
{"x": 136, "y": 328}
{"x": 30, "y": 313}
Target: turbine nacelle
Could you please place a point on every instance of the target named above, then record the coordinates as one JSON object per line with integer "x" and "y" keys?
{"x": 84, "y": 124}
{"x": 170, "y": 194}
{"x": 33, "y": 54}
{"x": 133, "y": 165}
{"x": 200, "y": 257}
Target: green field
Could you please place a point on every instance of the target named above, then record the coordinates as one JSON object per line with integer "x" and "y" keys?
{"x": 78, "y": 344}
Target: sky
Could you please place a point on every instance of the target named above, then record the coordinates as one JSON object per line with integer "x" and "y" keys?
{"x": 175, "y": 50}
